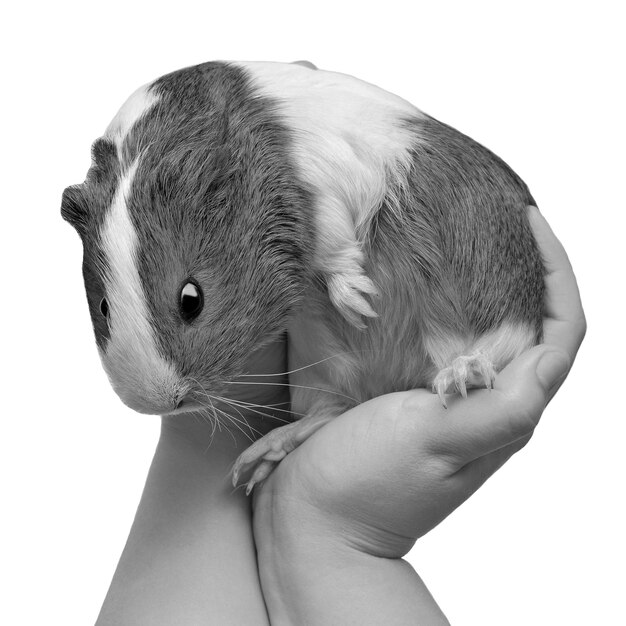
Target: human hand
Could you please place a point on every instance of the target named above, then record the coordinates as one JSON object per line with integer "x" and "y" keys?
{"x": 190, "y": 556}
{"x": 386, "y": 472}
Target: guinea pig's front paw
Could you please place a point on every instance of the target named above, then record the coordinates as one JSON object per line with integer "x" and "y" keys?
{"x": 265, "y": 453}
{"x": 465, "y": 372}
{"x": 347, "y": 292}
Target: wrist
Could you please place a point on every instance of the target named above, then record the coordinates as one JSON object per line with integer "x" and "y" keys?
{"x": 285, "y": 536}
{"x": 313, "y": 570}
{"x": 190, "y": 556}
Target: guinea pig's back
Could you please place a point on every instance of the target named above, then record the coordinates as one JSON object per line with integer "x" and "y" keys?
{"x": 410, "y": 208}
{"x": 453, "y": 248}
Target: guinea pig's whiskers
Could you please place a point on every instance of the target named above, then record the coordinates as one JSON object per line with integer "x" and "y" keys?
{"x": 270, "y": 407}
{"x": 227, "y": 418}
{"x": 250, "y": 407}
{"x": 209, "y": 415}
{"x": 215, "y": 413}
{"x": 201, "y": 418}
{"x": 335, "y": 393}
{"x": 304, "y": 367}
{"x": 212, "y": 418}
{"x": 223, "y": 419}
{"x": 243, "y": 421}
{"x": 236, "y": 404}
{"x": 238, "y": 423}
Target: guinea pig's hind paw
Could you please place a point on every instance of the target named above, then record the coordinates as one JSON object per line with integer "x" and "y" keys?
{"x": 265, "y": 453}
{"x": 465, "y": 372}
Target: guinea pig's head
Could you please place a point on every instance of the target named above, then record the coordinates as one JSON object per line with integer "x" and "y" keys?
{"x": 196, "y": 236}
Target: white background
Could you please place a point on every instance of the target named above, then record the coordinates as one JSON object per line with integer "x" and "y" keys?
{"x": 538, "y": 83}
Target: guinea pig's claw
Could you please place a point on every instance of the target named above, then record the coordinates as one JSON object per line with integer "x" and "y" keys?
{"x": 265, "y": 453}
{"x": 347, "y": 293}
{"x": 235, "y": 477}
{"x": 440, "y": 387}
{"x": 460, "y": 376}
{"x": 465, "y": 372}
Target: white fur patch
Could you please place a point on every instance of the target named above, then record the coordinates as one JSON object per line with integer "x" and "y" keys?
{"x": 500, "y": 345}
{"x": 139, "y": 102}
{"x": 140, "y": 375}
{"x": 352, "y": 149}
{"x": 504, "y": 344}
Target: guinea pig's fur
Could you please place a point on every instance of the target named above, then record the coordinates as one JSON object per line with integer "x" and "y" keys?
{"x": 395, "y": 250}
{"x": 190, "y": 180}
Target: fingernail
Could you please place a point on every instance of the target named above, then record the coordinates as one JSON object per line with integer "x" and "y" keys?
{"x": 552, "y": 369}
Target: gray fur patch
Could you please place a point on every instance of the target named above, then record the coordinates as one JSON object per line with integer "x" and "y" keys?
{"x": 85, "y": 207}
{"x": 454, "y": 259}
{"x": 215, "y": 199}
{"x": 462, "y": 239}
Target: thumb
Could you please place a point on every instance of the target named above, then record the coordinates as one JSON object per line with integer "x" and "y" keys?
{"x": 491, "y": 419}
{"x": 552, "y": 369}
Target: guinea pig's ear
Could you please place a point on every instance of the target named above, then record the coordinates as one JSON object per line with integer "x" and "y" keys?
{"x": 305, "y": 64}
{"x": 74, "y": 208}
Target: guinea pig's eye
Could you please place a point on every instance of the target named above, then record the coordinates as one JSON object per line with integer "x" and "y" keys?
{"x": 104, "y": 307}
{"x": 191, "y": 301}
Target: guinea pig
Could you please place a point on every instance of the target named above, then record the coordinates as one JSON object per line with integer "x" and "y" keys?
{"x": 230, "y": 202}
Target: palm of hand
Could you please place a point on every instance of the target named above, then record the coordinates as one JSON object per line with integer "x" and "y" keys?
{"x": 363, "y": 474}
{"x": 389, "y": 470}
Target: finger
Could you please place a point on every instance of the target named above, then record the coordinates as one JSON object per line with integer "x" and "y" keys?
{"x": 565, "y": 324}
{"x": 476, "y": 472}
{"x": 488, "y": 420}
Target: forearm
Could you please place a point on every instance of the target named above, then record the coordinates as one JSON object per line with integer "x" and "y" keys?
{"x": 190, "y": 556}
{"x": 312, "y": 575}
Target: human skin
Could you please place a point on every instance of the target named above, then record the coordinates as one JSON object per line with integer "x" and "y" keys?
{"x": 332, "y": 522}
{"x": 190, "y": 556}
